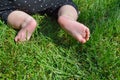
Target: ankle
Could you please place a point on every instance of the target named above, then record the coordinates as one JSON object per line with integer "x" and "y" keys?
{"x": 66, "y": 17}
{"x": 29, "y": 22}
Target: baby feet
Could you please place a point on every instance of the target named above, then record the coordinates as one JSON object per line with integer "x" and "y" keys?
{"x": 74, "y": 28}
{"x": 26, "y": 31}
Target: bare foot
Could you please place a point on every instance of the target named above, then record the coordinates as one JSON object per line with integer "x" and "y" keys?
{"x": 26, "y": 31}
{"x": 76, "y": 29}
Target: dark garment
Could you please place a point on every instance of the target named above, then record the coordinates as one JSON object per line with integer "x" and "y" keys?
{"x": 49, "y": 7}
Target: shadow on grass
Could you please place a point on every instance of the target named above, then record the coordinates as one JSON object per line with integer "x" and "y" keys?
{"x": 51, "y": 29}
{"x": 98, "y": 15}
{"x": 93, "y": 16}
{"x": 87, "y": 54}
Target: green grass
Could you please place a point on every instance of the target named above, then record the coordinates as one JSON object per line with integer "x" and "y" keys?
{"x": 52, "y": 54}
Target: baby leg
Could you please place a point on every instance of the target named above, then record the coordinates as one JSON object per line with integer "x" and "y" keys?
{"x": 67, "y": 17}
{"x": 24, "y": 22}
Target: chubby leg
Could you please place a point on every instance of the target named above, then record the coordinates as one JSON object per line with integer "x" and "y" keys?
{"x": 67, "y": 17}
{"x": 24, "y": 22}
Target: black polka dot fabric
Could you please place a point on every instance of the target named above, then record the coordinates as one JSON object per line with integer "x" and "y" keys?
{"x": 49, "y": 7}
{"x": 6, "y": 7}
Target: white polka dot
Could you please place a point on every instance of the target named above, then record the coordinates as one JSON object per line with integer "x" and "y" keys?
{"x": 29, "y": 5}
{"x": 55, "y": 6}
{"x": 19, "y": 4}
{"x": 51, "y": 3}
{"x": 46, "y": 5}
{"x": 41, "y": 6}
{"x": 25, "y": 1}
{"x": 35, "y": 1}
{"x": 33, "y": 9}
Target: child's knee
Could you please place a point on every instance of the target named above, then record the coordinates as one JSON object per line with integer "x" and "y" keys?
{"x": 19, "y": 19}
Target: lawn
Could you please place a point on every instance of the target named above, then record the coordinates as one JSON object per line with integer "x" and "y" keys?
{"x": 52, "y": 54}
